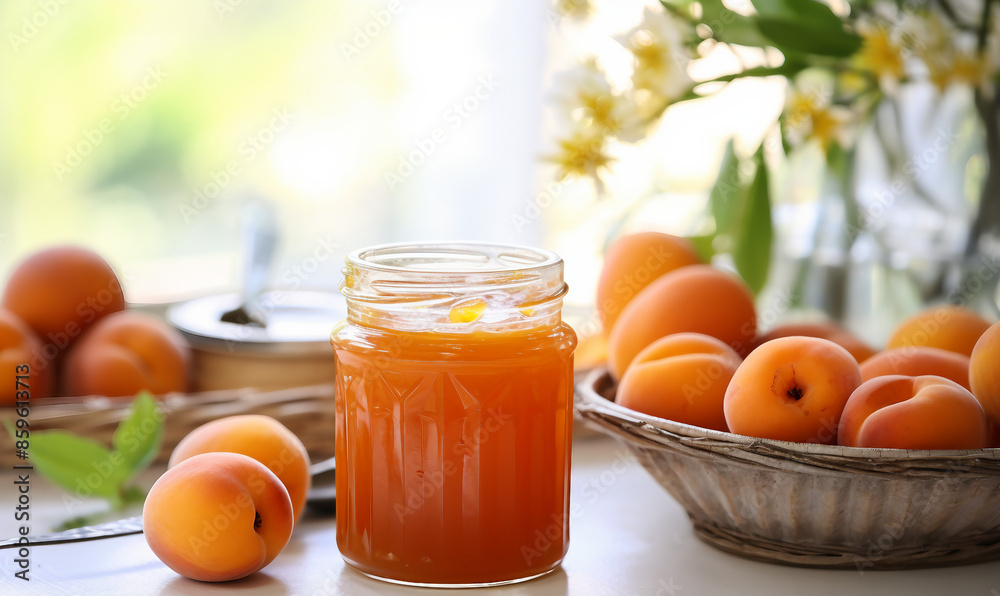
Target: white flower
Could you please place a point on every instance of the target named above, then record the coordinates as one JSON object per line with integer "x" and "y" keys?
{"x": 811, "y": 116}
{"x": 587, "y": 98}
{"x": 661, "y": 59}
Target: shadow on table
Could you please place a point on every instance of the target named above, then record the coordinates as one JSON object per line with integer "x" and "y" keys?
{"x": 260, "y": 581}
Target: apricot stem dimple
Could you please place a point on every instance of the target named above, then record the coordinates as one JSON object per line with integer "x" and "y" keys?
{"x": 256, "y": 521}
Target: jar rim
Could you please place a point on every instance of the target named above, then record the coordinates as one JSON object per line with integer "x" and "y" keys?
{"x": 454, "y": 286}
{"x": 513, "y": 257}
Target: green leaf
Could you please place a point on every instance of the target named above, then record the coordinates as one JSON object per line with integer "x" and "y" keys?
{"x": 704, "y": 246}
{"x": 805, "y": 26}
{"x": 133, "y": 495}
{"x": 804, "y": 37}
{"x": 79, "y": 465}
{"x": 731, "y": 27}
{"x": 752, "y": 250}
{"x": 138, "y": 437}
{"x": 789, "y": 69}
{"x": 725, "y": 198}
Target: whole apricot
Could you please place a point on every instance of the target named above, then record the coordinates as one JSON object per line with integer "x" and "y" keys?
{"x": 792, "y": 389}
{"x": 59, "y": 292}
{"x": 984, "y": 373}
{"x": 217, "y": 517}
{"x": 681, "y": 377}
{"x": 902, "y": 412}
{"x": 695, "y": 298}
{"x": 917, "y": 361}
{"x": 952, "y": 328}
{"x": 632, "y": 263}
{"x": 825, "y": 329}
{"x": 21, "y": 355}
{"x": 125, "y": 353}
{"x": 261, "y": 437}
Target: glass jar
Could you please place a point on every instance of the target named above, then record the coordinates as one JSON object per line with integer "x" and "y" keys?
{"x": 454, "y": 414}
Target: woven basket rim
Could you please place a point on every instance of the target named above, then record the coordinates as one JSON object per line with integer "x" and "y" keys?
{"x": 644, "y": 430}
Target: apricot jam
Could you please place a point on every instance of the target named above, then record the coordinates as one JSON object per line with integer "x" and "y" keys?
{"x": 454, "y": 414}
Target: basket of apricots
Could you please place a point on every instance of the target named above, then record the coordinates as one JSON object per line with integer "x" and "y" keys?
{"x": 800, "y": 445}
{"x": 74, "y": 352}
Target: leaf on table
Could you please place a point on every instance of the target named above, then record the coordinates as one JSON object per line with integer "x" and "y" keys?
{"x": 138, "y": 437}
{"x": 80, "y": 465}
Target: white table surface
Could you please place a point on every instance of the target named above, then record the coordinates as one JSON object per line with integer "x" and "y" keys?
{"x": 629, "y": 538}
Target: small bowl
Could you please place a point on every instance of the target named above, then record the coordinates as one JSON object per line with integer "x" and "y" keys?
{"x": 293, "y": 350}
{"x": 813, "y": 505}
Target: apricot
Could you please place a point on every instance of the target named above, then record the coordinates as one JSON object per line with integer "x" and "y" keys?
{"x": 984, "y": 373}
{"x": 20, "y": 353}
{"x": 947, "y": 327}
{"x": 217, "y": 517}
{"x": 261, "y": 437}
{"x": 917, "y": 361}
{"x": 681, "y": 377}
{"x": 125, "y": 353}
{"x": 695, "y": 298}
{"x": 61, "y": 291}
{"x": 792, "y": 389}
{"x": 903, "y": 412}
{"x": 632, "y": 263}
{"x": 591, "y": 352}
{"x": 825, "y": 329}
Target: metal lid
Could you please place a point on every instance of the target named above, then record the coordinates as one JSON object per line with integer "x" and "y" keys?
{"x": 298, "y": 322}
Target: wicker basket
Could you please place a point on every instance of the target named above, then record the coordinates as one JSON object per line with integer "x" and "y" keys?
{"x": 814, "y": 505}
{"x": 306, "y": 411}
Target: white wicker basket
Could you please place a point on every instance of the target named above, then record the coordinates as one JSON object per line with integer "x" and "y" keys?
{"x": 813, "y": 505}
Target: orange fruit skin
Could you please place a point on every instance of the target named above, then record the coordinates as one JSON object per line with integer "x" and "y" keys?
{"x": 632, "y": 263}
{"x": 125, "y": 353}
{"x": 984, "y": 375}
{"x": 261, "y": 437}
{"x": 825, "y": 329}
{"x": 19, "y": 347}
{"x": 695, "y": 298}
{"x": 903, "y": 412}
{"x": 217, "y": 517}
{"x": 792, "y": 389}
{"x": 59, "y": 292}
{"x": 918, "y": 361}
{"x": 681, "y": 377}
{"x": 951, "y": 328}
